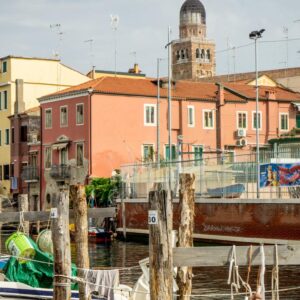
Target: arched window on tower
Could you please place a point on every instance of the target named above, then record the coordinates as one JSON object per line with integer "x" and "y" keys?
{"x": 202, "y": 54}
{"x": 187, "y": 53}
{"x": 182, "y": 54}
{"x": 208, "y": 54}
{"x": 177, "y": 55}
{"x": 197, "y": 53}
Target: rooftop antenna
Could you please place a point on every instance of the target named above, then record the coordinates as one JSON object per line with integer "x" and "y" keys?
{"x": 57, "y": 29}
{"x": 91, "y": 51}
{"x": 134, "y": 55}
{"x": 286, "y": 33}
{"x": 114, "y": 22}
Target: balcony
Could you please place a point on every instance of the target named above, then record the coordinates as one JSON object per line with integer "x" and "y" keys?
{"x": 30, "y": 174}
{"x": 60, "y": 172}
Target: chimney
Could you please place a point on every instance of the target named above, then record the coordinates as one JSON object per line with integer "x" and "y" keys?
{"x": 19, "y": 103}
{"x": 220, "y": 95}
{"x": 270, "y": 95}
{"x": 135, "y": 69}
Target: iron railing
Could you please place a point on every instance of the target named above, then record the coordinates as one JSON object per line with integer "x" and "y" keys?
{"x": 60, "y": 172}
{"x": 30, "y": 173}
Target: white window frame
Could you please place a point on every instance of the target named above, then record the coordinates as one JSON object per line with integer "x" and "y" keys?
{"x": 80, "y": 143}
{"x": 145, "y": 115}
{"x": 77, "y": 105}
{"x": 237, "y": 119}
{"x": 260, "y": 119}
{"x": 288, "y": 123}
{"x": 165, "y": 150}
{"x": 45, "y": 156}
{"x": 142, "y": 149}
{"x": 47, "y": 110}
{"x": 60, "y": 119}
{"x": 192, "y": 108}
{"x": 213, "y": 118}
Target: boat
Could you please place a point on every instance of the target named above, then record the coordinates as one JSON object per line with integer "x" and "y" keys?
{"x": 17, "y": 290}
{"x": 230, "y": 191}
{"x": 99, "y": 235}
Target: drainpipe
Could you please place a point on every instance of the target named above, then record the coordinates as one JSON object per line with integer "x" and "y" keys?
{"x": 41, "y": 157}
{"x": 90, "y": 92}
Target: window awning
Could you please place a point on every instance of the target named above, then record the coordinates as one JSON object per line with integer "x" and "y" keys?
{"x": 59, "y": 146}
{"x": 297, "y": 105}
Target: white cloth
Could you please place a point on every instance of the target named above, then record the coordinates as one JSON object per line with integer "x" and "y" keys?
{"x": 103, "y": 282}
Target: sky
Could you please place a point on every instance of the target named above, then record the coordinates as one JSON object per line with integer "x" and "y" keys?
{"x": 143, "y": 31}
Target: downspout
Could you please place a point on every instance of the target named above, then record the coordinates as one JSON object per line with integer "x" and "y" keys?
{"x": 90, "y": 92}
{"x": 41, "y": 157}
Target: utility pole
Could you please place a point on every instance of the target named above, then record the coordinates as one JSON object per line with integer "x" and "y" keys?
{"x": 61, "y": 247}
{"x": 77, "y": 193}
{"x": 186, "y": 229}
{"x": 160, "y": 245}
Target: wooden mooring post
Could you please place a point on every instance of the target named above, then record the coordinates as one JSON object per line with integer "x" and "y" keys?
{"x": 23, "y": 206}
{"x": 185, "y": 232}
{"x": 160, "y": 244}
{"x": 78, "y": 197}
{"x": 61, "y": 246}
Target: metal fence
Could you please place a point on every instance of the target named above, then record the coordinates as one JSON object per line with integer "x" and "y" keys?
{"x": 220, "y": 176}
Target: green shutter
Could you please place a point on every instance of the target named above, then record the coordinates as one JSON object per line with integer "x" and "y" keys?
{"x": 298, "y": 120}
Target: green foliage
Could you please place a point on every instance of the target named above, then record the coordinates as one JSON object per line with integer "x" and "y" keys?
{"x": 105, "y": 190}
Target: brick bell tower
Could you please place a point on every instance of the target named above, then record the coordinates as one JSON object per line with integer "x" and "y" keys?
{"x": 193, "y": 55}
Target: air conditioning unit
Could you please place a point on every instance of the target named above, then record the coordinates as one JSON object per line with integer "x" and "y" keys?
{"x": 241, "y": 133}
{"x": 241, "y": 143}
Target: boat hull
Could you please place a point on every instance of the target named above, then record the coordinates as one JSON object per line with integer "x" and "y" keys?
{"x": 225, "y": 220}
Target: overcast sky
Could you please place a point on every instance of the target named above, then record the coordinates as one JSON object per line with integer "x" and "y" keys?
{"x": 25, "y": 31}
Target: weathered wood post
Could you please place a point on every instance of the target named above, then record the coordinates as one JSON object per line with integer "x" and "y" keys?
{"x": 160, "y": 244}
{"x": 77, "y": 195}
{"x": 23, "y": 207}
{"x": 186, "y": 229}
{"x": 61, "y": 247}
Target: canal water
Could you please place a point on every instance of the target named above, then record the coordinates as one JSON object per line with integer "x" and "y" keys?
{"x": 206, "y": 280}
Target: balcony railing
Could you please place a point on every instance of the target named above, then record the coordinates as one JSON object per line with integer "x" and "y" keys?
{"x": 60, "y": 172}
{"x": 30, "y": 173}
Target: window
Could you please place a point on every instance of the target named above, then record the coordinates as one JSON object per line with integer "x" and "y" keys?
{"x": 79, "y": 114}
{"x": 148, "y": 153}
{"x": 242, "y": 120}
{"x": 149, "y": 114}
{"x": 48, "y": 157}
{"x": 167, "y": 152}
{"x": 79, "y": 155}
{"x": 0, "y": 138}
{"x": 197, "y": 53}
{"x": 48, "y": 118}
{"x": 63, "y": 156}
{"x": 6, "y": 136}
{"x": 6, "y": 172}
{"x": 228, "y": 157}
{"x": 254, "y": 120}
{"x": 298, "y": 121}
{"x": 208, "y": 54}
{"x": 191, "y": 116}
{"x": 23, "y": 133}
{"x": 208, "y": 119}
{"x": 4, "y": 66}
{"x": 284, "y": 121}
{"x": 198, "y": 154}
{"x": 12, "y": 170}
{"x": 5, "y": 100}
{"x": 63, "y": 116}
{"x": 12, "y": 135}
{"x": 1, "y": 172}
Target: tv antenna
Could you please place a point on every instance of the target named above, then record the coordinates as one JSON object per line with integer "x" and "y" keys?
{"x": 57, "y": 29}
{"x": 91, "y": 51}
{"x": 114, "y": 22}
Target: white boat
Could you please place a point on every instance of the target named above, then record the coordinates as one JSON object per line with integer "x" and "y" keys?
{"x": 15, "y": 290}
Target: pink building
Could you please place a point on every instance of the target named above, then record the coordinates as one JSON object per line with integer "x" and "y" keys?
{"x": 93, "y": 128}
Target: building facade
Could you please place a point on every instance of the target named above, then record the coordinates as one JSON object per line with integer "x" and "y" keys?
{"x": 92, "y": 129}
{"x": 25, "y": 78}
{"x": 193, "y": 55}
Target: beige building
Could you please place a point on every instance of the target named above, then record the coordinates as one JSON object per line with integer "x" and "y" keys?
{"x": 26, "y": 79}
{"x": 193, "y": 55}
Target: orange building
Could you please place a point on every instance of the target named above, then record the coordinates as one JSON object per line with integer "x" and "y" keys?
{"x": 93, "y": 128}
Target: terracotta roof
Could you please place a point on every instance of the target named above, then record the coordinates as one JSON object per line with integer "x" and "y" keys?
{"x": 32, "y": 110}
{"x": 183, "y": 89}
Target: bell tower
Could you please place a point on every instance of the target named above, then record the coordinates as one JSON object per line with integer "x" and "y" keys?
{"x": 193, "y": 55}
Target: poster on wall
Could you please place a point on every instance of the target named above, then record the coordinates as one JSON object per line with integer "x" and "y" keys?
{"x": 279, "y": 175}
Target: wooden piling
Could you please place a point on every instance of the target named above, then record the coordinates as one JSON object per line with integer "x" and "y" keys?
{"x": 78, "y": 197}
{"x": 23, "y": 207}
{"x": 61, "y": 248}
{"x": 185, "y": 233}
{"x": 160, "y": 245}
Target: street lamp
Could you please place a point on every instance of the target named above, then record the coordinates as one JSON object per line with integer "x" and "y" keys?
{"x": 255, "y": 35}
